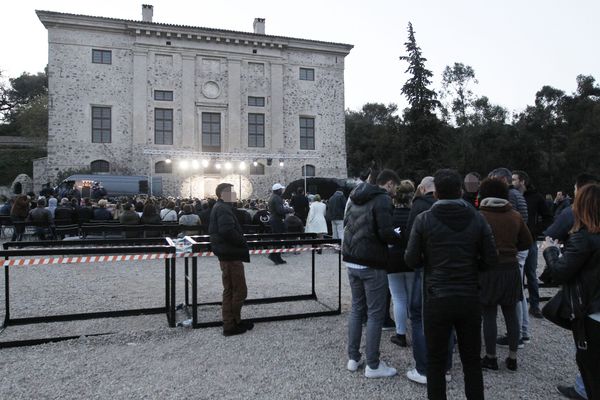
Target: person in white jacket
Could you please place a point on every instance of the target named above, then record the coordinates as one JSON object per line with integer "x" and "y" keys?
{"x": 315, "y": 221}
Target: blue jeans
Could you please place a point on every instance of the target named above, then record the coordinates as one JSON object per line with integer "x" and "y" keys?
{"x": 522, "y": 314}
{"x": 579, "y": 387}
{"x": 369, "y": 292}
{"x": 400, "y": 284}
{"x": 419, "y": 346}
{"x": 531, "y": 273}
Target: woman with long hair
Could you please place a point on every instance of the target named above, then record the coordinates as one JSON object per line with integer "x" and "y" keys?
{"x": 400, "y": 276}
{"x": 501, "y": 285}
{"x": 580, "y": 266}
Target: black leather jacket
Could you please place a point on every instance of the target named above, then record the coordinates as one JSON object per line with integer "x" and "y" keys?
{"x": 368, "y": 227}
{"x": 227, "y": 239}
{"x": 453, "y": 242}
{"x": 580, "y": 259}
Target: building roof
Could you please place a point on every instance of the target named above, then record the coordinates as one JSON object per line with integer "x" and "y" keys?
{"x": 49, "y": 18}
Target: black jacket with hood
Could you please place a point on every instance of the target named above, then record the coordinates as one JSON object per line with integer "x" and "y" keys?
{"x": 420, "y": 204}
{"x": 453, "y": 242}
{"x": 368, "y": 227}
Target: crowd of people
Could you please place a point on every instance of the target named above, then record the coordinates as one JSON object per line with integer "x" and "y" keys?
{"x": 443, "y": 255}
{"x": 450, "y": 252}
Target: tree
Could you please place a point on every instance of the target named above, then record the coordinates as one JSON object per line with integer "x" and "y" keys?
{"x": 456, "y": 82}
{"x": 372, "y": 136}
{"x": 423, "y": 101}
{"x": 424, "y": 144}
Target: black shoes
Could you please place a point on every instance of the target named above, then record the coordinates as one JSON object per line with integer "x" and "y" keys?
{"x": 569, "y": 392}
{"x": 511, "y": 363}
{"x": 489, "y": 363}
{"x": 389, "y": 325}
{"x": 535, "y": 312}
{"x": 247, "y": 324}
{"x": 239, "y": 329}
{"x": 276, "y": 258}
{"x": 399, "y": 340}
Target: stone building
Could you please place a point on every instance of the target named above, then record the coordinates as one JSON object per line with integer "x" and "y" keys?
{"x": 191, "y": 104}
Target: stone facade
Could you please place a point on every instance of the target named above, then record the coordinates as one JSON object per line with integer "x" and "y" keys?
{"x": 207, "y": 71}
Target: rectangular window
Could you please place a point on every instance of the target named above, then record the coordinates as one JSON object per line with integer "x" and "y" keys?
{"x": 163, "y": 126}
{"x": 211, "y": 131}
{"x": 101, "y": 124}
{"x": 307, "y": 133}
{"x": 163, "y": 95}
{"x": 307, "y": 74}
{"x": 101, "y": 56}
{"x": 256, "y": 101}
{"x": 256, "y": 130}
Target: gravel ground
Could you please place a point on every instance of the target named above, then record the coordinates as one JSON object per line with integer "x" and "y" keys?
{"x": 277, "y": 360}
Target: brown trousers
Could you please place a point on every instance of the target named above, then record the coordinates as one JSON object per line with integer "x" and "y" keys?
{"x": 234, "y": 292}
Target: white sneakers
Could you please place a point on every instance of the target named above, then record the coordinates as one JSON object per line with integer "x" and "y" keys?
{"x": 353, "y": 366}
{"x": 382, "y": 371}
{"x": 415, "y": 376}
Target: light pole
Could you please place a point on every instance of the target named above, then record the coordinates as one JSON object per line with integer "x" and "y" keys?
{"x": 242, "y": 167}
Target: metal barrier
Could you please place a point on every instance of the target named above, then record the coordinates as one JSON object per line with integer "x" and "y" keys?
{"x": 262, "y": 244}
{"x": 87, "y": 251}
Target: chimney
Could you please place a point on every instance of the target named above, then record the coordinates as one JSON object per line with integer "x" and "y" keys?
{"x": 147, "y": 11}
{"x": 259, "y": 26}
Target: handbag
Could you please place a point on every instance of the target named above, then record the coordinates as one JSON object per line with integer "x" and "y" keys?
{"x": 552, "y": 310}
{"x": 566, "y": 306}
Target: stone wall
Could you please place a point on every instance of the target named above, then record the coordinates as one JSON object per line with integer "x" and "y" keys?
{"x": 206, "y": 74}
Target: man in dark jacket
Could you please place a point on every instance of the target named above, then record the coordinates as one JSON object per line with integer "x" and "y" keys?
{"x": 85, "y": 213}
{"x": 536, "y": 209}
{"x": 368, "y": 232}
{"x": 42, "y": 218}
{"x": 300, "y": 205}
{"x": 129, "y": 217}
{"x": 64, "y": 213}
{"x": 453, "y": 242}
{"x": 335, "y": 213}
{"x": 229, "y": 245}
{"x": 278, "y": 210}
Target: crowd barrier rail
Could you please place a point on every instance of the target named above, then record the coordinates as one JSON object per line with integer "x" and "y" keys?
{"x": 263, "y": 244}
{"x": 86, "y": 251}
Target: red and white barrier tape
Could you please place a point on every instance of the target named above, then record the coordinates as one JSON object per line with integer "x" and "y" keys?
{"x": 135, "y": 257}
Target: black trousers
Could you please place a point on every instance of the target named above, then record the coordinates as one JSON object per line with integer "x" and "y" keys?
{"x": 439, "y": 317}
{"x": 588, "y": 360}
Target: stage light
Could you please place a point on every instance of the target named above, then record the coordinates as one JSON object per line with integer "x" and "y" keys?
{"x": 205, "y": 163}
{"x": 242, "y": 166}
{"x": 255, "y": 163}
{"x": 195, "y": 164}
{"x": 183, "y": 164}
{"x": 218, "y": 165}
{"x": 228, "y": 165}
{"x": 281, "y": 164}
{"x": 168, "y": 161}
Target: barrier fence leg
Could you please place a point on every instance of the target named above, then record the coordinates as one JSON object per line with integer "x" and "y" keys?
{"x": 194, "y": 292}
{"x": 340, "y": 281}
{"x": 185, "y": 281}
{"x": 167, "y": 289}
{"x": 6, "y": 295}
{"x": 172, "y": 305}
{"x": 313, "y": 275}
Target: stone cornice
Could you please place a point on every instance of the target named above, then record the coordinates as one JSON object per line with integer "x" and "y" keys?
{"x": 52, "y": 19}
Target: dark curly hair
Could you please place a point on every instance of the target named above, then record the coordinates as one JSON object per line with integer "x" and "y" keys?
{"x": 493, "y": 187}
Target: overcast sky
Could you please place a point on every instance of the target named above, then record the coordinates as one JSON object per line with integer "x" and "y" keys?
{"x": 515, "y": 47}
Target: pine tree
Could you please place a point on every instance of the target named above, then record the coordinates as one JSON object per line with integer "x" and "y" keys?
{"x": 423, "y": 101}
{"x": 424, "y": 140}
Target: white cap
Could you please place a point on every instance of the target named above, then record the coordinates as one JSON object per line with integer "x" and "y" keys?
{"x": 277, "y": 186}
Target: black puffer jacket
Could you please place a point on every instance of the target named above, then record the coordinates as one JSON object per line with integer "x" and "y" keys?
{"x": 396, "y": 261}
{"x": 226, "y": 235}
{"x": 580, "y": 259}
{"x": 453, "y": 242}
{"x": 420, "y": 204}
{"x": 336, "y": 206}
{"x": 368, "y": 227}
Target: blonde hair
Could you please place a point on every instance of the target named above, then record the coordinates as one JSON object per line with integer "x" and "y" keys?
{"x": 102, "y": 203}
{"x": 405, "y": 193}
{"x": 317, "y": 197}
